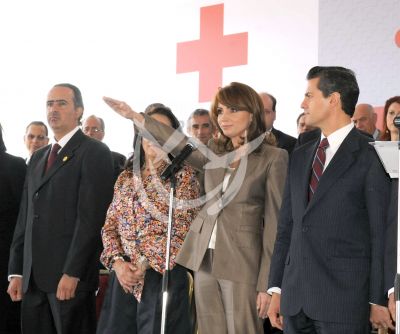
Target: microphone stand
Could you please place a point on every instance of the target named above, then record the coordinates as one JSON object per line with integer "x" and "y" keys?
{"x": 167, "y": 253}
{"x": 396, "y": 122}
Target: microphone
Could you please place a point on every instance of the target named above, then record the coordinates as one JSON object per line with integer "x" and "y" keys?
{"x": 396, "y": 122}
{"x": 176, "y": 163}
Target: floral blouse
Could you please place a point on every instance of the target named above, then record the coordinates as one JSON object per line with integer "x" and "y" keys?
{"x": 137, "y": 219}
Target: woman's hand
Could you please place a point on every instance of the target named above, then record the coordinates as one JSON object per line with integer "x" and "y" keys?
{"x": 263, "y": 300}
{"x": 128, "y": 275}
{"x": 123, "y": 109}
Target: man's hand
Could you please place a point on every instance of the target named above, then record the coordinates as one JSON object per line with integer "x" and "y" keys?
{"x": 66, "y": 287}
{"x": 380, "y": 317}
{"x": 128, "y": 274}
{"x": 15, "y": 289}
{"x": 274, "y": 311}
{"x": 392, "y": 306}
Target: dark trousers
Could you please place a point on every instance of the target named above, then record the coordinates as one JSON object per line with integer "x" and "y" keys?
{"x": 302, "y": 324}
{"x": 118, "y": 312}
{"x": 43, "y": 313}
{"x": 10, "y": 322}
{"x": 122, "y": 314}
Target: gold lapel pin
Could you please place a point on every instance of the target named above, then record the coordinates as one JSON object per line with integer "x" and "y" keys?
{"x": 65, "y": 158}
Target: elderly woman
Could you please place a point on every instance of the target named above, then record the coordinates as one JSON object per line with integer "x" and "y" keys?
{"x": 134, "y": 234}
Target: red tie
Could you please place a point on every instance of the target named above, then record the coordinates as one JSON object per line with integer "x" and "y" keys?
{"x": 317, "y": 167}
{"x": 52, "y": 156}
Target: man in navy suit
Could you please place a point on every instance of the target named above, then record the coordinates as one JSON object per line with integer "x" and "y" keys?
{"x": 326, "y": 273}
{"x": 56, "y": 243}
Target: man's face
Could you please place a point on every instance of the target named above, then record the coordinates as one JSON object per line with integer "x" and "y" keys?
{"x": 302, "y": 126}
{"x": 364, "y": 119}
{"x": 269, "y": 114}
{"x": 92, "y": 128}
{"x": 316, "y": 107}
{"x": 62, "y": 115}
{"x": 201, "y": 128}
{"x": 35, "y": 138}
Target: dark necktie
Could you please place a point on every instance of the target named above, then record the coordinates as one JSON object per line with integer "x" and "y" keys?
{"x": 317, "y": 167}
{"x": 52, "y": 156}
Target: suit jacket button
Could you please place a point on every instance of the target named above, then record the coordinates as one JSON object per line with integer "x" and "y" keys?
{"x": 36, "y": 216}
{"x": 305, "y": 228}
{"x": 220, "y": 205}
{"x": 36, "y": 195}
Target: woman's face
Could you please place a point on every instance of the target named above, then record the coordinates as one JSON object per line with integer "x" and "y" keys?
{"x": 233, "y": 123}
{"x": 153, "y": 150}
{"x": 393, "y": 111}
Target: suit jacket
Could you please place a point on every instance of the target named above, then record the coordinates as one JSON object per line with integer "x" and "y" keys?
{"x": 247, "y": 218}
{"x": 328, "y": 255}
{"x": 284, "y": 141}
{"x": 61, "y": 214}
{"x": 12, "y": 175}
{"x": 118, "y": 162}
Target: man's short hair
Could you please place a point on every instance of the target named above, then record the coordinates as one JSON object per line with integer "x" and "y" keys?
{"x": 337, "y": 79}
{"x": 199, "y": 112}
{"x": 274, "y": 102}
{"x": 38, "y": 123}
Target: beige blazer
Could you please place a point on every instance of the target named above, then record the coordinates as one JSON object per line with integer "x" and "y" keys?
{"x": 247, "y": 212}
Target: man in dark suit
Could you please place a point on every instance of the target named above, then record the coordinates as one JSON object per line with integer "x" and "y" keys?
{"x": 326, "y": 272}
{"x": 12, "y": 175}
{"x": 283, "y": 140}
{"x": 56, "y": 243}
{"x": 94, "y": 127}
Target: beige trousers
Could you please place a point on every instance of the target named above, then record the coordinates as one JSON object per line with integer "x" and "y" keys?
{"x": 223, "y": 306}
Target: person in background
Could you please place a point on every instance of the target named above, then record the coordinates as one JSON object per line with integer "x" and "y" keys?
{"x": 230, "y": 242}
{"x": 134, "y": 234}
{"x": 12, "y": 175}
{"x": 56, "y": 246}
{"x": 199, "y": 125}
{"x": 364, "y": 119}
{"x": 301, "y": 124}
{"x": 115, "y": 306}
{"x": 94, "y": 127}
{"x": 391, "y": 110}
{"x": 36, "y": 136}
{"x": 283, "y": 140}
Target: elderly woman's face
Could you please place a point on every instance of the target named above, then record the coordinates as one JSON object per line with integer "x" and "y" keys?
{"x": 153, "y": 150}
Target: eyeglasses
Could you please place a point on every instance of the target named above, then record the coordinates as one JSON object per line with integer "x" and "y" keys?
{"x": 94, "y": 129}
{"x": 32, "y": 137}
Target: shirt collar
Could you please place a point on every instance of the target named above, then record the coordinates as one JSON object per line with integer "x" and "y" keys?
{"x": 64, "y": 140}
{"x": 336, "y": 138}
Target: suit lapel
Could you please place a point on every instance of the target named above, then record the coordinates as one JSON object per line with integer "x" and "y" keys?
{"x": 341, "y": 161}
{"x": 64, "y": 156}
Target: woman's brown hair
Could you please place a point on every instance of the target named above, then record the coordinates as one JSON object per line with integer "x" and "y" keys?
{"x": 241, "y": 97}
{"x": 386, "y": 133}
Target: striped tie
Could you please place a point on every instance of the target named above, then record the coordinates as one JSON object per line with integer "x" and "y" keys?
{"x": 317, "y": 167}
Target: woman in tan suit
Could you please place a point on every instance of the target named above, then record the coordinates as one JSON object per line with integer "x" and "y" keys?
{"x": 229, "y": 244}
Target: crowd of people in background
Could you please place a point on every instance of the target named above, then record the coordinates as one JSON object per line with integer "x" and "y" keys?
{"x": 271, "y": 232}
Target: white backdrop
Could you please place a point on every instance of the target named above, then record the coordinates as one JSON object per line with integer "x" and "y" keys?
{"x": 127, "y": 50}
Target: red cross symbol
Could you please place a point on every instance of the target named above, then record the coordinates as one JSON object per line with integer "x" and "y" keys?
{"x": 397, "y": 38}
{"x": 212, "y": 52}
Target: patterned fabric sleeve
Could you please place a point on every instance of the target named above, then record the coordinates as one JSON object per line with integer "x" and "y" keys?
{"x": 110, "y": 232}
